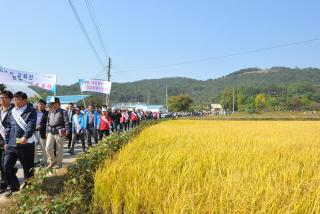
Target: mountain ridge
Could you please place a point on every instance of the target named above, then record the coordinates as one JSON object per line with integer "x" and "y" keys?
{"x": 206, "y": 91}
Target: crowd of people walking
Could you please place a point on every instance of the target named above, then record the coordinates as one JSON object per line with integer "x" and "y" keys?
{"x": 24, "y": 128}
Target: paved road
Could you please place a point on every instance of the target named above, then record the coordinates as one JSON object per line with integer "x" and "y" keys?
{"x": 67, "y": 159}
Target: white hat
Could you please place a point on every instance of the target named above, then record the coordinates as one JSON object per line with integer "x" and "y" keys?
{"x": 54, "y": 100}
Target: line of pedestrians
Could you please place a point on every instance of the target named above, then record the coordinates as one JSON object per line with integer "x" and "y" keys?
{"x": 24, "y": 127}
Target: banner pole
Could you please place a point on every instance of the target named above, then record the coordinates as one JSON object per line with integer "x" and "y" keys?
{"x": 55, "y": 89}
{"x": 109, "y": 79}
{"x": 84, "y": 103}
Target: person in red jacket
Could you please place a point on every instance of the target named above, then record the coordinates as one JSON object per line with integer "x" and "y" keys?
{"x": 105, "y": 121}
{"x": 133, "y": 118}
{"x": 123, "y": 120}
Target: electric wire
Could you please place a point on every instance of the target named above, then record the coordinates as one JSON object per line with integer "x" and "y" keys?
{"x": 84, "y": 31}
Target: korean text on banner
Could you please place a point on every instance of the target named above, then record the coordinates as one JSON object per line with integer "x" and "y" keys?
{"x": 99, "y": 86}
{"x": 44, "y": 81}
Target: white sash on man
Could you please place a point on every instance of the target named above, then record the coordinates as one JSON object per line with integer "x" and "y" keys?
{"x": 77, "y": 123}
{"x": 17, "y": 117}
{"x": 2, "y": 130}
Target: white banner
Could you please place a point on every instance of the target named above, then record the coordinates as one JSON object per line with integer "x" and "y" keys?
{"x": 44, "y": 81}
{"x": 99, "y": 86}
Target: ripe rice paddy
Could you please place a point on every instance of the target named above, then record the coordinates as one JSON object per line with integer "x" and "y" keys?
{"x": 194, "y": 166}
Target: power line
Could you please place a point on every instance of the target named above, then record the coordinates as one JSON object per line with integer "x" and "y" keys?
{"x": 222, "y": 56}
{"x": 85, "y": 33}
{"x": 98, "y": 31}
{"x": 103, "y": 71}
{"x": 96, "y": 27}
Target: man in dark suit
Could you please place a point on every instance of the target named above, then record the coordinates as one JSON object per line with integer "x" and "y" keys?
{"x": 41, "y": 129}
{"x": 19, "y": 141}
{"x": 6, "y": 106}
{"x": 70, "y": 113}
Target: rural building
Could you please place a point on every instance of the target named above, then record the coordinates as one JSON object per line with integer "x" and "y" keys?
{"x": 141, "y": 106}
{"x": 216, "y": 109}
{"x": 64, "y": 100}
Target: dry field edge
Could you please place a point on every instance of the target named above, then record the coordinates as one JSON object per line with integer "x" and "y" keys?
{"x": 299, "y": 116}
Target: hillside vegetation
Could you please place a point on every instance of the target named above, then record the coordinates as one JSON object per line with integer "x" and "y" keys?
{"x": 209, "y": 91}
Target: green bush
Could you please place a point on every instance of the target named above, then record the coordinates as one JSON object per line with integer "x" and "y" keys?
{"x": 77, "y": 193}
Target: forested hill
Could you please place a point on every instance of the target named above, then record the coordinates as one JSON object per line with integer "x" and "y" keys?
{"x": 204, "y": 91}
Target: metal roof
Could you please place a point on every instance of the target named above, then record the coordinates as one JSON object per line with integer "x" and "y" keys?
{"x": 137, "y": 106}
{"x": 154, "y": 106}
{"x": 69, "y": 98}
{"x": 19, "y": 87}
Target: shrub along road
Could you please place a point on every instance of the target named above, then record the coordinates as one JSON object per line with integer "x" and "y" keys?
{"x": 67, "y": 160}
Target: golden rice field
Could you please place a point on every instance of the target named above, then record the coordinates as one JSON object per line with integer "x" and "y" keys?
{"x": 193, "y": 166}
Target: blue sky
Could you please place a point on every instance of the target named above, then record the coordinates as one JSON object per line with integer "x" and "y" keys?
{"x": 43, "y": 36}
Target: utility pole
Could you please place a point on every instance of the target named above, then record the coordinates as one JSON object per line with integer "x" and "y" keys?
{"x": 109, "y": 79}
{"x": 148, "y": 101}
{"x": 232, "y": 100}
{"x": 167, "y": 97}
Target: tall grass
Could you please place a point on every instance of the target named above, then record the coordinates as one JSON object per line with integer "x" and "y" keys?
{"x": 215, "y": 167}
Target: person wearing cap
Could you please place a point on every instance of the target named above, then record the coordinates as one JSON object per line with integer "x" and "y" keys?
{"x": 78, "y": 128}
{"x": 105, "y": 122}
{"x": 19, "y": 141}
{"x": 57, "y": 130}
{"x": 41, "y": 129}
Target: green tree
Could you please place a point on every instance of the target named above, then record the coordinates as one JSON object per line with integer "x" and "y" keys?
{"x": 272, "y": 103}
{"x": 250, "y": 105}
{"x": 260, "y": 102}
{"x": 33, "y": 99}
{"x": 2, "y": 87}
{"x": 199, "y": 107}
{"x": 305, "y": 103}
{"x": 294, "y": 104}
{"x": 179, "y": 103}
{"x": 93, "y": 100}
{"x": 314, "y": 106}
{"x": 241, "y": 102}
{"x": 227, "y": 99}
